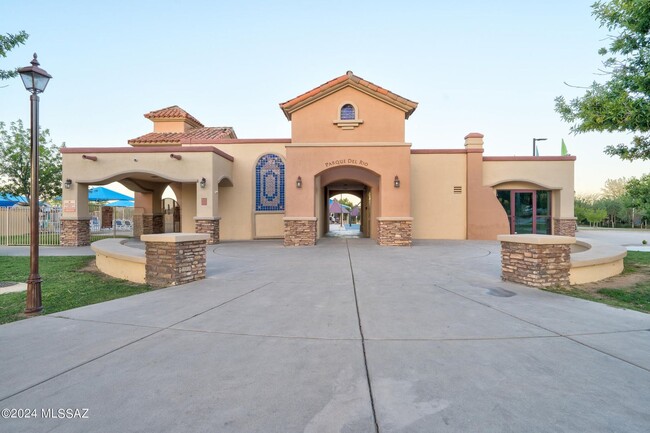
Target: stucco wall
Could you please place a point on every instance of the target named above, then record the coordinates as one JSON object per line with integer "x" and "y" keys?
{"x": 438, "y": 213}
{"x": 555, "y": 175}
{"x": 314, "y": 123}
{"x": 237, "y": 203}
{"x": 386, "y": 160}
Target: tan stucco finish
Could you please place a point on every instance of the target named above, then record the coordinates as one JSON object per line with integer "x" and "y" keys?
{"x": 314, "y": 123}
{"x": 438, "y": 212}
{"x": 553, "y": 175}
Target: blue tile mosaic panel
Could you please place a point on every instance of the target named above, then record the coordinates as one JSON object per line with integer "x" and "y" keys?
{"x": 269, "y": 184}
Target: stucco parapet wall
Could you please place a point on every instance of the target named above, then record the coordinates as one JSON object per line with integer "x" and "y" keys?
{"x": 198, "y": 218}
{"x": 597, "y": 253}
{"x": 146, "y": 149}
{"x": 394, "y": 218}
{"x": 299, "y": 218}
{"x": 444, "y": 151}
{"x": 537, "y": 239}
{"x": 351, "y": 144}
{"x": 174, "y": 237}
{"x": 529, "y": 158}
{"x": 115, "y": 248}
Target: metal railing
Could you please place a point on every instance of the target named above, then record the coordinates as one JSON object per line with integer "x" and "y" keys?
{"x": 15, "y": 224}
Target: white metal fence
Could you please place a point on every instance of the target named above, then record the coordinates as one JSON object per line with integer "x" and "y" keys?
{"x": 15, "y": 224}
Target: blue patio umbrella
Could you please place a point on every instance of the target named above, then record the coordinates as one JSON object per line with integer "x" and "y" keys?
{"x": 99, "y": 193}
{"x": 8, "y": 200}
{"x": 121, "y": 203}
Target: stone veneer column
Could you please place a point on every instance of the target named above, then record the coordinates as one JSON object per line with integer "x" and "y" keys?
{"x": 75, "y": 232}
{"x": 536, "y": 260}
{"x": 299, "y": 231}
{"x": 158, "y": 223}
{"x": 174, "y": 258}
{"x": 138, "y": 225}
{"x": 148, "y": 224}
{"x": 209, "y": 226}
{"x": 564, "y": 226}
{"x": 395, "y": 231}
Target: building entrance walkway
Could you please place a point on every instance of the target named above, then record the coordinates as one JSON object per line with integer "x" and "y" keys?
{"x": 346, "y": 336}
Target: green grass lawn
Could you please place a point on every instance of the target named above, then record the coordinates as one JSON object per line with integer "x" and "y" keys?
{"x": 66, "y": 284}
{"x": 630, "y": 290}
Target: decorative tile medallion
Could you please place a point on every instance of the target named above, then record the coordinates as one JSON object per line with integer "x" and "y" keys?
{"x": 269, "y": 184}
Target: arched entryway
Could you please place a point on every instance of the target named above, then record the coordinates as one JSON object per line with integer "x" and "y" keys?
{"x": 346, "y": 208}
{"x": 356, "y": 181}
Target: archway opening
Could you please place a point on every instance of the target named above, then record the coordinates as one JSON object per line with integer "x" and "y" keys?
{"x": 344, "y": 208}
{"x": 361, "y": 187}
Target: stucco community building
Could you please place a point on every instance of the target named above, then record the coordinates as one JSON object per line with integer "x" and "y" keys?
{"x": 347, "y": 136}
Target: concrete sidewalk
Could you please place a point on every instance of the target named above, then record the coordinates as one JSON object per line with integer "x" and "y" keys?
{"x": 346, "y": 336}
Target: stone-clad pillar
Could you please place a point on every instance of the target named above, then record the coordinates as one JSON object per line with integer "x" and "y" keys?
{"x": 75, "y": 232}
{"x": 209, "y": 226}
{"x": 564, "y": 226}
{"x": 536, "y": 260}
{"x": 299, "y": 231}
{"x": 174, "y": 258}
{"x": 395, "y": 231}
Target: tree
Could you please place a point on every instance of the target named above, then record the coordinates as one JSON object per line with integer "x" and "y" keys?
{"x": 639, "y": 192}
{"x": 7, "y": 43}
{"x": 614, "y": 188}
{"x": 15, "y": 164}
{"x": 622, "y": 104}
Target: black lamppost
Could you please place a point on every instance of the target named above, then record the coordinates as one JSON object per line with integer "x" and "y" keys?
{"x": 535, "y": 140}
{"x": 35, "y": 80}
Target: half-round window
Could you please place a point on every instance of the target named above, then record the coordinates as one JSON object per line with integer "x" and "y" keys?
{"x": 269, "y": 184}
{"x": 347, "y": 112}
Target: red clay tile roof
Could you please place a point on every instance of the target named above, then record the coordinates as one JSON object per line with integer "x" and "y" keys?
{"x": 349, "y": 79}
{"x": 174, "y": 112}
{"x": 197, "y": 135}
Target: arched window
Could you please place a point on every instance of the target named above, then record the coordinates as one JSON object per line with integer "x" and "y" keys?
{"x": 347, "y": 112}
{"x": 269, "y": 184}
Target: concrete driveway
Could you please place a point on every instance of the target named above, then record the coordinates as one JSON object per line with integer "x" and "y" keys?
{"x": 346, "y": 336}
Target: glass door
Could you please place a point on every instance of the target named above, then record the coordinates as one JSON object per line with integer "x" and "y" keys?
{"x": 529, "y": 211}
{"x": 524, "y": 209}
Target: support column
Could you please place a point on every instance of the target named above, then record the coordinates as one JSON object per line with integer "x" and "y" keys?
{"x": 209, "y": 226}
{"x": 395, "y": 231}
{"x": 536, "y": 260}
{"x": 299, "y": 231}
{"x": 174, "y": 258}
{"x": 564, "y": 226}
{"x": 75, "y": 232}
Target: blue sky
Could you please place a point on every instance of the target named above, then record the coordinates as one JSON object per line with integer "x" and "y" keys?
{"x": 491, "y": 67}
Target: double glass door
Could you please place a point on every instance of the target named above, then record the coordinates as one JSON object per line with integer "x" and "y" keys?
{"x": 529, "y": 211}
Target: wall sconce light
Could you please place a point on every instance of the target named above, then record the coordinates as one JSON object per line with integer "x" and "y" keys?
{"x": 396, "y": 182}
{"x": 68, "y": 183}
{"x": 299, "y": 182}
{"x": 176, "y": 157}
{"x": 202, "y": 182}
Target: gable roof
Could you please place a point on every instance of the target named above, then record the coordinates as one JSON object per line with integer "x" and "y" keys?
{"x": 174, "y": 112}
{"x": 348, "y": 80}
{"x": 196, "y": 135}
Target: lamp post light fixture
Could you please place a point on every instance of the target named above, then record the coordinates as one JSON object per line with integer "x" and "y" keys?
{"x": 35, "y": 80}
{"x": 535, "y": 140}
